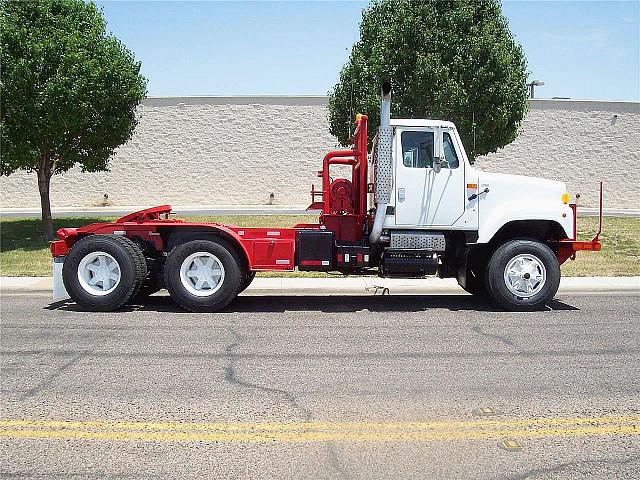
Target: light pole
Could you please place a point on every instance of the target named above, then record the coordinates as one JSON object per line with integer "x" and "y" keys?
{"x": 532, "y": 85}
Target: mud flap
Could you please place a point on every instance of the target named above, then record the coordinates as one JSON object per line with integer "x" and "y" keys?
{"x": 59, "y": 290}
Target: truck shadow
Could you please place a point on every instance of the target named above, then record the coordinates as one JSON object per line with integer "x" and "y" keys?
{"x": 329, "y": 304}
{"x": 373, "y": 303}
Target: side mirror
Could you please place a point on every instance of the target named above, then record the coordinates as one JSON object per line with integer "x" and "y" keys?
{"x": 437, "y": 164}
{"x": 438, "y": 152}
{"x": 437, "y": 143}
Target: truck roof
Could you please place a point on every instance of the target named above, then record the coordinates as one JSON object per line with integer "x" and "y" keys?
{"x": 420, "y": 122}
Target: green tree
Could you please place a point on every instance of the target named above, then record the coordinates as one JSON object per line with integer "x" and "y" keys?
{"x": 69, "y": 91}
{"x": 449, "y": 60}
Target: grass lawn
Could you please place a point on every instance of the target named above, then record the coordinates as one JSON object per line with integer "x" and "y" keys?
{"x": 24, "y": 253}
{"x": 620, "y": 254}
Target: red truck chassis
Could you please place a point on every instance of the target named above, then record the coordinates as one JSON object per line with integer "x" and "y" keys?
{"x": 344, "y": 212}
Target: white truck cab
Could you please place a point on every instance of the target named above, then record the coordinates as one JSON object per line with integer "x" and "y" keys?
{"x": 435, "y": 187}
{"x": 500, "y": 235}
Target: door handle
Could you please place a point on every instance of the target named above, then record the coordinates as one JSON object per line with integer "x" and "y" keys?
{"x": 476, "y": 195}
{"x": 401, "y": 195}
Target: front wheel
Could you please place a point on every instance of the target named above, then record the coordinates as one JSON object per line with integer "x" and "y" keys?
{"x": 523, "y": 275}
{"x": 203, "y": 275}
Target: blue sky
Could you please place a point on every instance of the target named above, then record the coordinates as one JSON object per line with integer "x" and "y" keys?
{"x": 584, "y": 50}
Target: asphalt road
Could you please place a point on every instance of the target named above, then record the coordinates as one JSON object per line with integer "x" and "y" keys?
{"x": 314, "y": 387}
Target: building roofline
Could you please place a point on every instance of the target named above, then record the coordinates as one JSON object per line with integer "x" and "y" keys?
{"x": 238, "y": 100}
{"x": 584, "y": 105}
{"x": 322, "y": 100}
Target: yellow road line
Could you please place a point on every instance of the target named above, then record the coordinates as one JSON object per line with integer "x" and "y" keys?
{"x": 276, "y": 426}
{"x": 321, "y": 431}
{"x": 174, "y": 436}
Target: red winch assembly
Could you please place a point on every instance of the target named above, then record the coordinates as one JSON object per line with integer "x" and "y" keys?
{"x": 343, "y": 204}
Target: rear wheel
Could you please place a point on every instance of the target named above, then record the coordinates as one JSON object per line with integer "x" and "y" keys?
{"x": 523, "y": 275}
{"x": 102, "y": 272}
{"x": 203, "y": 275}
{"x": 248, "y": 278}
{"x": 154, "y": 281}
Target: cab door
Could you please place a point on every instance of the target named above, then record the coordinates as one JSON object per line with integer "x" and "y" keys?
{"x": 425, "y": 198}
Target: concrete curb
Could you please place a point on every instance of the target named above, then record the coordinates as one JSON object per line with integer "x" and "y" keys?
{"x": 358, "y": 285}
{"x": 26, "y": 284}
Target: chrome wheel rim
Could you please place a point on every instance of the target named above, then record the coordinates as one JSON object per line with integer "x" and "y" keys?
{"x": 202, "y": 274}
{"x": 525, "y": 275}
{"x": 99, "y": 273}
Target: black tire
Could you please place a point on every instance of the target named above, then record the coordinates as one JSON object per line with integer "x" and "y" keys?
{"x": 225, "y": 293}
{"x": 127, "y": 254}
{"x": 248, "y": 278}
{"x": 140, "y": 258}
{"x": 154, "y": 281}
{"x": 497, "y": 285}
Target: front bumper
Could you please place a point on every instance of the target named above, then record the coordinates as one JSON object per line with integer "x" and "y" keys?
{"x": 567, "y": 248}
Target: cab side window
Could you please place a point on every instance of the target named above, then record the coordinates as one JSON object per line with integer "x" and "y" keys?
{"x": 417, "y": 149}
{"x": 449, "y": 151}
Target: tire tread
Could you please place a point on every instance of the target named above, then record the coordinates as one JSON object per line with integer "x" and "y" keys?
{"x": 233, "y": 288}
{"x": 136, "y": 256}
{"x": 495, "y": 272}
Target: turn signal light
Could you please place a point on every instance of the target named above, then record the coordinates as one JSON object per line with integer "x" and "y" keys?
{"x": 565, "y": 198}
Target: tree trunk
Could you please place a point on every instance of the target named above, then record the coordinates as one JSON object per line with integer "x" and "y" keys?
{"x": 44, "y": 182}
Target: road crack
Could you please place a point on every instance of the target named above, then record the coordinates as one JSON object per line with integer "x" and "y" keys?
{"x": 568, "y": 465}
{"x": 51, "y": 377}
{"x": 507, "y": 341}
{"x": 231, "y": 375}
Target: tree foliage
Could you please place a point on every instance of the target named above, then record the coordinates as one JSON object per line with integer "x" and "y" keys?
{"x": 69, "y": 90}
{"x": 449, "y": 60}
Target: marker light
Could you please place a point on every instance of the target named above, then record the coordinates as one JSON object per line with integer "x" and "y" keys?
{"x": 358, "y": 117}
{"x": 565, "y": 197}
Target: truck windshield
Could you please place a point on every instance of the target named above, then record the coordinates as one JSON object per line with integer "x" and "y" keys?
{"x": 417, "y": 149}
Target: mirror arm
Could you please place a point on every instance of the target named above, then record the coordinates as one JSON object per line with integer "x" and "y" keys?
{"x": 437, "y": 165}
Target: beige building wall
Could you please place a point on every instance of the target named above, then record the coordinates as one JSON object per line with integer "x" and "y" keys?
{"x": 214, "y": 151}
{"x": 581, "y": 143}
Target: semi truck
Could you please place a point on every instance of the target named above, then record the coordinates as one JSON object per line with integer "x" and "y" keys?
{"x": 414, "y": 207}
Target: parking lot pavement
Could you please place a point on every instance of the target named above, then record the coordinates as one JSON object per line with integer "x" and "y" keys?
{"x": 313, "y": 387}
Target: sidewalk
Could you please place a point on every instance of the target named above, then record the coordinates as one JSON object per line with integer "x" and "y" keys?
{"x": 359, "y": 285}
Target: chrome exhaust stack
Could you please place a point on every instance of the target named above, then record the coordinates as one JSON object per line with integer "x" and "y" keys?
{"x": 382, "y": 164}
{"x": 385, "y": 105}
